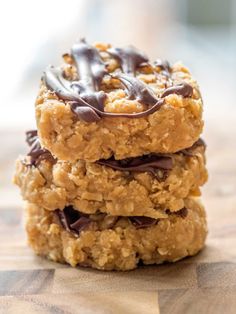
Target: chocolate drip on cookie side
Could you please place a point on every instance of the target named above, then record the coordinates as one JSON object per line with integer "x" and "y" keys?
{"x": 74, "y": 221}
{"x": 84, "y": 95}
{"x": 37, "y": 153}
{"x": 189, "y": 151}
{"x": 147, "y": 163}
{"x": 143, "y": 222}
{"x": 159, "y": 165}
{"x": 183, "y": 212}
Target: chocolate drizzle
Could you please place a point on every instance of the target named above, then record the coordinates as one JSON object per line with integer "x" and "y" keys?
{"x": 190, "y": 150}
{"x": 86, "y": 99}
{"x": 183, "y": 213}
{"x": 142, "y": 221}
{"x": 158, "y": 165}
{"x": 85, "y": 95}
{"x": 147, "y": 163}
{"x": 129, "y": 57}
{"x": 138, "y": 90}
{"x": 164, "y": 66}
{"x": 37, "y": 153}
{"x": 91, "y": 70}
{"x": 74, "y": 221}
{"x": 184, "y": 89}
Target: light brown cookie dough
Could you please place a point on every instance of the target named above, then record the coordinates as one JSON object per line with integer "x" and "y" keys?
{"x": 122, "y": 246}
{"x": 177, "y": 124}
{"x": 90, "y": 187}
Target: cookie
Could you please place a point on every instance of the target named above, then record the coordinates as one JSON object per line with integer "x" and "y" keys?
{"x": 115, "y": 243}
{"x": 146, "y": 185}
{"x": 105, "y": 101}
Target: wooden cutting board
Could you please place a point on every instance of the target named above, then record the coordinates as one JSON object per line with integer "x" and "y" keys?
{"x": 202, "y": 284}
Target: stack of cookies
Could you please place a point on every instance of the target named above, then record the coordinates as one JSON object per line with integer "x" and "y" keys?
{"x": 113, "y": 172}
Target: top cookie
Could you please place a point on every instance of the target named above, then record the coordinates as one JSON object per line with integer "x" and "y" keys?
{"x": 106, "y": 101}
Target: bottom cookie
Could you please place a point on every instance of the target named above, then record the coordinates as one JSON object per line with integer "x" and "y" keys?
{"x": 115, "y": 243}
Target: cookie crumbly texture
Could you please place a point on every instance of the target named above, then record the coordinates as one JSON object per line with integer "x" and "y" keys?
{"x": 90, "y": 187}
{"x": 122, "y": 247}
{"x": 176, "y": 125}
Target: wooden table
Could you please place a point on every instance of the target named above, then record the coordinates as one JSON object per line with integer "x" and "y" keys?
{"x": 202, "y": 284}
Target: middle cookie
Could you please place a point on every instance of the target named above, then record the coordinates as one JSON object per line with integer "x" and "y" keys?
{"x": 141, "y": 186}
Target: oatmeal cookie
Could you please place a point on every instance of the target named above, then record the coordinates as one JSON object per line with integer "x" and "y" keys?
{"x": 143, "y": 186}
{"x": 106, "y": 101}
{"x": 120, "y": 245}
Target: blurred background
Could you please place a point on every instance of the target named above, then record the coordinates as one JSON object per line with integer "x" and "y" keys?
{"x": 201, "y": 33}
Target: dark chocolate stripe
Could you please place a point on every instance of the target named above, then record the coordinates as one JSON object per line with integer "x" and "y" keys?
{"x": 86, "y": 98}
{"x": 37, "y": 153}
{"x": 137, "y": 90}
{"x": 190, "y": 150}
{"x": 91, "y": 68}
{"x": 74, "y": 221}
{"x": 146, "y": 163}
{"x": 142, "y": 221}
{"x": 184, "y": 89}
{"x": 129, "y": 57}
{"x": 84, "y": 93}
{"x": 149, "y": 163}
{"x": 164, "y": 66}
{"x": 54, "y": 80}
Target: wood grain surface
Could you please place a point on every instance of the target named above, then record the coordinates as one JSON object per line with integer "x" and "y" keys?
{"x": 202, "y": 284}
